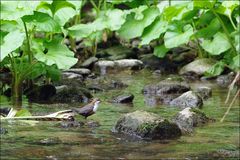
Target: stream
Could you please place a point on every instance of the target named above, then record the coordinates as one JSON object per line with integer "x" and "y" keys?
{"x": 48, "y": 140}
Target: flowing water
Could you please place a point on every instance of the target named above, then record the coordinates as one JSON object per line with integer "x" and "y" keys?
{"x": 48, "y": 140}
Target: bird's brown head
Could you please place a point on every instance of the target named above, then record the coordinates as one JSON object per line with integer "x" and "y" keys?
{"x": 95, "y": 100}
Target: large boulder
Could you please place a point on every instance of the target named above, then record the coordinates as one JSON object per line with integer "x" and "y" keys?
{"x": 188, "y": 99}
{"x": 104, "y": 66}
{"x": 80, "y": 71}
{"x": 199, "y": 66}
{"x": 189, "y": 118}
{"x": 146, "y": 125}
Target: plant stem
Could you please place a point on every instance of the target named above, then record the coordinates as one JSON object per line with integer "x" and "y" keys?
{"x": 225, "y": 30}
{"x": 95, "y": 6}
{"x": 30, "y": 56}
{"x": 169, "y": 2}
{"x": 73, "y": 44}
{"x": 200, "y": 55}
{"x": 234, "y": 26}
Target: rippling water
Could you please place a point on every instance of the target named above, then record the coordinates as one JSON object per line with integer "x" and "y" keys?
{"x": 28, "y": 140}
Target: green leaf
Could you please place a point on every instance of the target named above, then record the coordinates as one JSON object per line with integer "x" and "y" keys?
{"x": 114, "y": 19}
{"x": 53, "y": 72}
{"x": 203, "y": 4}
{"x": 133, "y": 28}
{"x": 37, "y": 70}
{"x": 236, "y": 63}
{"x": 56, "y": 53}
{"x": 216, "y": 69}
{"x": 13, "y": 10}
{"x": 11, "y": 42}
{"x": 63, "y": 15}
{"x": 55, "y": 5}
{"x": 174, "y": 39}
{"x": 218, "y": 45}
{"x": 9, "y": 26}
{"x": 43, "y": 22}
{"x": 154, "y": 31}
{"x": 160, "y": 51}
{"x": 210, "y": 30}
{"x": 81, "y": 30}
{"x": 23, "y": 113}
{"x": 229, "y": 6}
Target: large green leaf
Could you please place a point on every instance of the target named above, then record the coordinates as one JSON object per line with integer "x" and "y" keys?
{"x": 53, "y": 72}
{"x": 55, "y": 5}
{"x": 54, "y": 52}
{"x": 13, "y": 10}
{"x": 43, "y": 22}
{"x": 11, "y": 42}
{"x": 9, "y": 26}
{"x": 236, "y": 63}
{"x": 228, "y": 7}
{"x": 209, "y": 30}
{"x": 154, "y": 31}
{"x": 160, "y": 51}
{"x": 218, "y": 45}
{"x": 81, "y": 30}
{"x": 178, "y": 11}
{"x": 216, "y": 69}
{"x": 133, "y": 28}
{"x": 176, "y": 38}
{"x": 203, "y": 4}
{"x": 63, "y": 15}
{"x": 114, "y": 19}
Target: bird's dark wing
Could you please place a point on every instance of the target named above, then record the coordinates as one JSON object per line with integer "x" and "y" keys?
{"x": 84, "y": 110}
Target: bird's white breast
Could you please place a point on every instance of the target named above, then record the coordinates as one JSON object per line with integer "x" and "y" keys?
{"x": 96, "y": 105}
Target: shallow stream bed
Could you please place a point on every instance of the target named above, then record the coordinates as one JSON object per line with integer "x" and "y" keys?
{"x": 48, "y": 140}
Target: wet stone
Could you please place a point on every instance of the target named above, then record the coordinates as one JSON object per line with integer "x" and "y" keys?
{"x": 81, "y": 71}
{"x": 188, "y": 99}
{"x": 92, "y": 124}
{"x": 189, "y": 118}
{"x": 50, "y": 141}
{"x": 123, "y": 99}
{"x": 88, "y": 63}
{"x": 3, "y": 131}
{"x": 225, "y": 80}
{"x": 146, "y": 125}
{"x": 204, "y": 92}
{"x": 71, "y": 124}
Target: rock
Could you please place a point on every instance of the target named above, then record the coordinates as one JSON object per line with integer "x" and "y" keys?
{"x": 72, "y": 94}
{"x": 165, "y": 91}
{"x": 3, "y": 131}
{"x": 199, "y": 66}
{"x": 146, "y": 125}
{"x": 154, "y": 63}
{"x": 72, "y": 76}
{"x": 189, "y": 118}
{"x": 92, "y": 124}
{"x": 81, "y": 71}
{"x": 167, "y": 87}
{"x": 61, "y": 88}
{"x": 40, "y": 93}
{"x": 71, "y": 124}
{"x": 88, "y": 63}
{"x": 123, "y": 99}
{"x": 133, "y": 64}
{"x": 225, "y": 80}
{"x": 204, "y": 92}
{"x": 104, "y": 66}
{"x": 50, "y": 141}
{"x": 187, "y": 99}
{"x": 116, "y": 52}
{"x": 223, "y": 154}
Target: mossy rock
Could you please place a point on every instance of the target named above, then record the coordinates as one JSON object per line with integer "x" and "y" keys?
{"x": 147, "y": 126}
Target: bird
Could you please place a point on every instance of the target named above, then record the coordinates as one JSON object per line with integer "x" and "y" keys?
{"x": 88, "y": 109}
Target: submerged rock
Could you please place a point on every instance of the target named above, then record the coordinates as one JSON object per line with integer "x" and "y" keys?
{"x": 225, "y": 80}
{"x": 50, "y": 141}
{"x": 123, "y": 99}
{"x": 188, "y": 99}
{"x": 204, "y": 92}
{"x": 92, "y": 124}
{"x": 3, "y": 130}
{"x": 199, "y": 66}
{"x": 71, "y": 124}
{"x": 104, "y": 66}
{"x": 189, "y": 118}
{"x": 146, "y": 125}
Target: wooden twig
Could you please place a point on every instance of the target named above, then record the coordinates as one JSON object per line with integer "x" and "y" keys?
{"x": 229, "y": 107}
{"x": 231, "y": 86}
